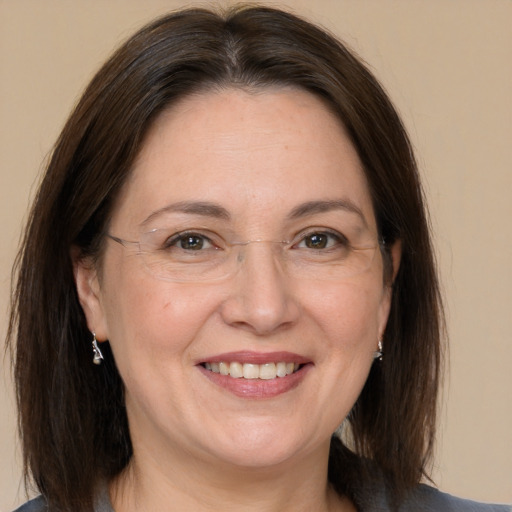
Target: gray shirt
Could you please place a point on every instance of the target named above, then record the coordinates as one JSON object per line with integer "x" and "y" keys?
{"x": 422, "y": 499}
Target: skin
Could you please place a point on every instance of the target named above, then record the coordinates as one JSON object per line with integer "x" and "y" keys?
{"x": 196, "y": 444}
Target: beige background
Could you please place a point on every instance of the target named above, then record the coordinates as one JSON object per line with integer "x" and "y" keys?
{"x": 446, "y": 64}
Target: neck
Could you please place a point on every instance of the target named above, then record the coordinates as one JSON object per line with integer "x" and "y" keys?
{"x": 151, "y": 484}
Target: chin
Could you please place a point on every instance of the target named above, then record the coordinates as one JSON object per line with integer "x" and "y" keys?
{"x": 260, "y": 458}
{"x": 264, "y": 446}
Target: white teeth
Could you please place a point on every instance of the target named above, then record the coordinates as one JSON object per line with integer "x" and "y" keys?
{"x": 268, "y": 371}
{"x": 224, "y": 368}
{"x": 265, "y": 371}
{"x": 236, "y": 370}
{"x": 251, "y": 371}
{"x": 281, "y": 369}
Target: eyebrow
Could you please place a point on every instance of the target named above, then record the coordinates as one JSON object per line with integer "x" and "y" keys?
{"x": 203, "y": 208}
{"x": 208, "y": 209}
{"x": 314, "y": 207}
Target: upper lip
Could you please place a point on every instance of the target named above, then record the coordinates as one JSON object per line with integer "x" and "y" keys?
{"x": 248, "y": 356}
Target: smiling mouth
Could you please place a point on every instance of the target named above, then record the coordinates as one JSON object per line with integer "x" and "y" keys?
{"x": 267, "y": 371}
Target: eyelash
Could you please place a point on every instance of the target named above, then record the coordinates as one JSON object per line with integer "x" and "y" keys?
{"x": 335, "y": 236}
{"x": 174, "y": 240}
{"x": 338, "y": 238}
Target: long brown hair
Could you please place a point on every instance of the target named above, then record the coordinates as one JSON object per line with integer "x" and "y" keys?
{"x": 72, "y": 416}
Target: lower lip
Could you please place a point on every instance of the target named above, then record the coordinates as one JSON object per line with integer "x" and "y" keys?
{"x": 257, "y": 388}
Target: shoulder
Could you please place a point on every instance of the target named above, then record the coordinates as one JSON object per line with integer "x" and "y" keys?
{"x": 36, "y": 505}
{"x": 102, "y": 503}
{"x": 427, "y": 499}
{"x": 422, "y": 498}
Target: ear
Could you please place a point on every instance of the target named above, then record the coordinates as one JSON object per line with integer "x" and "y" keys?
{"x": 395, "y": 253}
{"x": 396, "y": 257}
{"x": 89, "y": 294}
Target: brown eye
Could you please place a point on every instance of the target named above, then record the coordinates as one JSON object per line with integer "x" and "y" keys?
{"x": 191, "y": 242}
{"x": 319, "y": 240}
{"x": 316, "y": 241}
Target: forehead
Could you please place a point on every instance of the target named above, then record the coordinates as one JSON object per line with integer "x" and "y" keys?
{"x": 250, "y": 152}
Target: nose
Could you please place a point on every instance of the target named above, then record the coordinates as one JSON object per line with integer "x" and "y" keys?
{"x": 261, "y": 298}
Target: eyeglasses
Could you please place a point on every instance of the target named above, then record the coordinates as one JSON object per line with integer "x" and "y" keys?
{"x": 189, "y": 256}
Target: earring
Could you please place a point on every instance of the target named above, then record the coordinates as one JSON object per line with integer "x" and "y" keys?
{"x": 378, "y": 353}
{"x": 98, "y": 356}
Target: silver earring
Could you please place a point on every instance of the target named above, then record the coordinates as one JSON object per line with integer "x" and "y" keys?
{"x": 98, "y": 356}
{"x": 378, "y": 353}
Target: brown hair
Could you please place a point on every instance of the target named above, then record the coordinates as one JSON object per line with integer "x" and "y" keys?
{"x": 71, "y": 413}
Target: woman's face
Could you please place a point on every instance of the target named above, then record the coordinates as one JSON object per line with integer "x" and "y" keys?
{"x": 273, "y": 165}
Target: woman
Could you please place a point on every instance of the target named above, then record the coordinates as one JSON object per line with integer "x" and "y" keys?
{"x": 232, "y": 228}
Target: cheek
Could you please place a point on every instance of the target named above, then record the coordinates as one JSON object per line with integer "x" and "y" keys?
{"x": 350, "y": 313}
{"x": 346, "y": 325}
{"x": 150, "y": 318}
